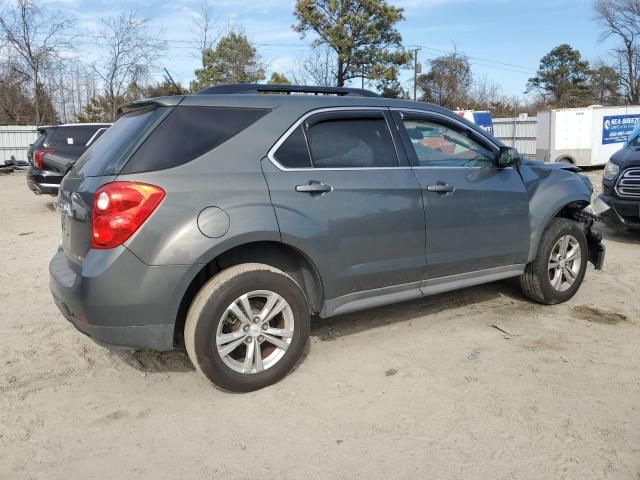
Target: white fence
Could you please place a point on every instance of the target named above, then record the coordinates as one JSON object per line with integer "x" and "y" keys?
{"x": 517, "y": 132}
{"x": 15, "y": 141}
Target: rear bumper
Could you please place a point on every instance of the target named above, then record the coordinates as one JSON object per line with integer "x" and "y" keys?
{"x": 624, "y": 212}
{"x": 116, "y": 299}
{"x": 42, "y": 182}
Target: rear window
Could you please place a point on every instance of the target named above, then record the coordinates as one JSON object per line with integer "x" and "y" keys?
{"x": 67, "y": 136}
{"x": 107, "y": 156}
{"x": 187, "y": 133}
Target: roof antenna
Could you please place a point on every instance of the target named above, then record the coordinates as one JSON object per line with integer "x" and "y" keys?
{"x": 178, "y": 89}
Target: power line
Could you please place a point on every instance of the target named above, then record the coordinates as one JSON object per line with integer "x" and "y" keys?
{"x": 511, "y": 65}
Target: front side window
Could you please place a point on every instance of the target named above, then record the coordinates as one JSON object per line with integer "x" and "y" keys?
{"x": 351, "y": 143}
{"x": 436, "y": 145}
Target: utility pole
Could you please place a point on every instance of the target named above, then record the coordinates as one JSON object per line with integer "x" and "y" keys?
{"x": 415, "y": 71}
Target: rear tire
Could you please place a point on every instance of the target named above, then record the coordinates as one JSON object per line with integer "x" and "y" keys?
{"x": 242, "y": 351}
{"x": 560, "y": 264}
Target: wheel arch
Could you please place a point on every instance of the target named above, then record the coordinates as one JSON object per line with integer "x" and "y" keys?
{"x": 563, "y": 208}
{"x": 279, "y": 255}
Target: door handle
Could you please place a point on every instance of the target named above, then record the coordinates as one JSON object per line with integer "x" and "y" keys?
{"x": 314, "y": 187}
{"x": 441, "y": 188}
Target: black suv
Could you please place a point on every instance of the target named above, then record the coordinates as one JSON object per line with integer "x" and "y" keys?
{"x": 621, "y": 185}
{"x": 56, "y": 150}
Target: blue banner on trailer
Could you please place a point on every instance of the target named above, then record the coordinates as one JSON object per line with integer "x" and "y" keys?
{"x": 484, "y": 120}
{"x": 617, "y": 128}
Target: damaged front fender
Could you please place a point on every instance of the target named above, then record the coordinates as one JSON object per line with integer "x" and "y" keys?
{"x": 556, "y": 191}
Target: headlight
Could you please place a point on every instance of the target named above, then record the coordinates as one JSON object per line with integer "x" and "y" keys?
{"x": 611, "y": 170}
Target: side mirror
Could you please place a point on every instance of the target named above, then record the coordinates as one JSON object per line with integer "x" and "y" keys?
{"x": 507, "y": 157}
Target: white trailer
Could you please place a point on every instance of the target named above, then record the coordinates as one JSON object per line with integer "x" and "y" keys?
{"x": 584, "y": 136}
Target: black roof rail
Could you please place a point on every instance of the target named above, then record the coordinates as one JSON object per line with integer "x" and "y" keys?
{"x": 253, "y": 88}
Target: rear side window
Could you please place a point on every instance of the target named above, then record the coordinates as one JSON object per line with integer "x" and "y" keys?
{"x": 351, "y": 143}
{"x": 107, "y": 156}
{"x": 189, "y": 132}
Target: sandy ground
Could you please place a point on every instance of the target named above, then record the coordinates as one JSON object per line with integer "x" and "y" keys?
{"x": 427, "y": 389}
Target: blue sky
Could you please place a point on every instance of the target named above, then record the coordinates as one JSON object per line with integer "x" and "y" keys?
{"x": 494, "y": 32}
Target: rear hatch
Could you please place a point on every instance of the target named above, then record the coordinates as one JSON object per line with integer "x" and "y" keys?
{"x": 151, "y": 136}
{"x": 57, "y": 162}
{"x": 99, "y": 165}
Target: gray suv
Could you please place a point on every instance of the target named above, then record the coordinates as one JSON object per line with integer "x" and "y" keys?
{"x": 223, "y": 221}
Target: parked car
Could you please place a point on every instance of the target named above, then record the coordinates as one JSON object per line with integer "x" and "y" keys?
{"x": 621, "y": 184}
{"x": 56, "y": 150}
{"x": 225, "y": 220}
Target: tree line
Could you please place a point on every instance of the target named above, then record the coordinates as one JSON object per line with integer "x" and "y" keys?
{"x": 44, "y": 80}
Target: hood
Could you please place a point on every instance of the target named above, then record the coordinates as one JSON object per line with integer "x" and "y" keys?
{"x": 628, "y": 156}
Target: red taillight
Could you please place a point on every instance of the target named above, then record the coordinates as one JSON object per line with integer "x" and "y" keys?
{"x": 119, "y": 209}
{"x": 38, "y": 154}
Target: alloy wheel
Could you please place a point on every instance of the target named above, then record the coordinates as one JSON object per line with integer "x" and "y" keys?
{"x": 255, "y": 331}
{"x": 564, "y": 263}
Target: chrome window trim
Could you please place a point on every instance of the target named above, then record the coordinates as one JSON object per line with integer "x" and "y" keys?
{"x": 290, "y": 130}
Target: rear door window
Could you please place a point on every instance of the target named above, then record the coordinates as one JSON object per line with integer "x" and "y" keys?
{"x": 189, "y": 132}
{"x": 294, "y": 153}
{"x": 351, "y": 143}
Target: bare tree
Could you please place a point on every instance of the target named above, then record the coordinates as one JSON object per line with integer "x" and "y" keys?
{"x": 488, "y": 95}
{"x": 71, "y": 85}
{"x": 37, "y": 41}
{"x": 317, "y": 68}
{"x": 131, "y": 51}
{"x": 205, "y": 32}
{"x": 621, "y": 20}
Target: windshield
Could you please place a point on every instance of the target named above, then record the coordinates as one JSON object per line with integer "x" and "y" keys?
{"x": 110, "y": 153}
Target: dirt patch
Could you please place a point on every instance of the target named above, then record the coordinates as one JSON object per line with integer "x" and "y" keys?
{"x": 422, "y": 389}
{"x": 596, "y": 315}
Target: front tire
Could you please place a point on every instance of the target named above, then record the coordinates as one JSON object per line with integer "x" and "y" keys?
{"x": 247, "y": 327}
{"x": 560, "y": 264}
